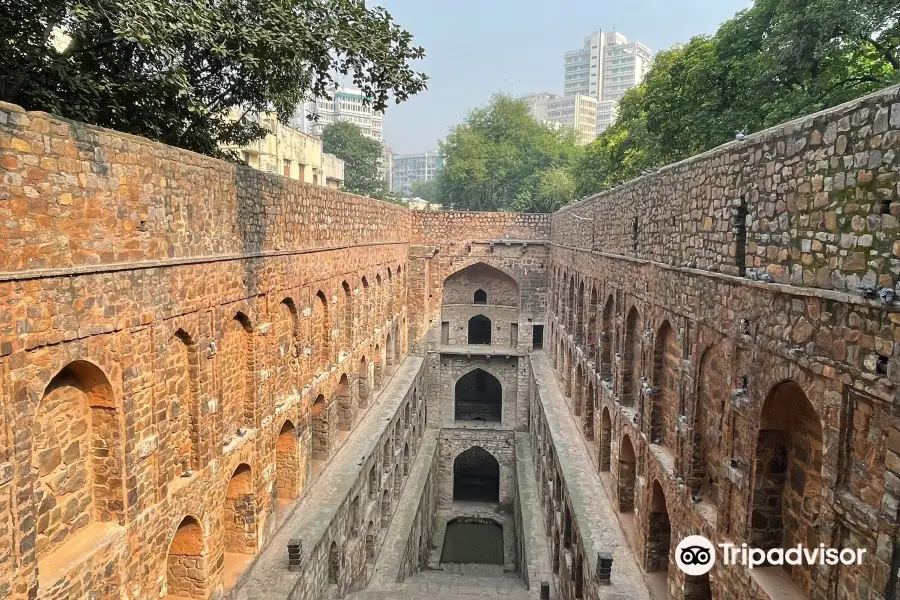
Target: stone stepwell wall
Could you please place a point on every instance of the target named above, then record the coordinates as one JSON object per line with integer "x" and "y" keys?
{"x": 440, "y": 227}
{"x": 74, "y": 195}
{"x": 812, "y": 202}
{"x": 177, "y": 336}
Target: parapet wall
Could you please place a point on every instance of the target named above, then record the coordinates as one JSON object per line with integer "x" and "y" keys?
{"x": 444, "y": 227}
{"x": 76, "y": 195}
{"x": 812, "y": 202}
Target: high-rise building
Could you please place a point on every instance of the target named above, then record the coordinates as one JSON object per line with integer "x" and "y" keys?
{"x": 606, "y": 67}
{"x": 410, "y": 168}
{"x": 344, "y": 105}
{"x": 578, "y": 113}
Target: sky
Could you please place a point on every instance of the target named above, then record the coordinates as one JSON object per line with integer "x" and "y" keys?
{"x": 475, "y": 48}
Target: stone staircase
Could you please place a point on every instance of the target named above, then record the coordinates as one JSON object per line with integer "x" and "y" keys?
{"x": 441, "y": 585}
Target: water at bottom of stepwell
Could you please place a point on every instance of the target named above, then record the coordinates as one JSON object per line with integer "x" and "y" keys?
{"x": 473, "y": 542}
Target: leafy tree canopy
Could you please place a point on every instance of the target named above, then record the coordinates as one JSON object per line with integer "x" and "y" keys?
{"x": 493, "y": 160}
{"x": 426, "y": 190}
{"x": 361, "y": 156}
{"x": 778, "y": 60}
{"x": 171, "y": 70}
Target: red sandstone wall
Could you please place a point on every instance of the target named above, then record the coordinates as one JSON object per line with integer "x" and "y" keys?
{"x": 166, "y": 298}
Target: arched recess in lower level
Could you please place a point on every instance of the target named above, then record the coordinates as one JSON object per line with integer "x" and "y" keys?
{"x": 186, "y": 575}
{"x": 605, "y": 440}
{"x": 476, "y": 476}
{"x": 478, "y": 396}
{"x": 626, "y": 475}
{"x": 288, "y": 473}
{"x": 787, "y": 478}
{"x": 659, "y": 532}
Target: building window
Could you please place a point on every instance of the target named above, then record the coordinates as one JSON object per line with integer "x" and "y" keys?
{"x": 302, "y": 178}
{"x": 287, "y": 167}
{"x": 246, "y": 157}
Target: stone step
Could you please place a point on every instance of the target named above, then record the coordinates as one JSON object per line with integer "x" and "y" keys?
{"x": 440, "y": 585}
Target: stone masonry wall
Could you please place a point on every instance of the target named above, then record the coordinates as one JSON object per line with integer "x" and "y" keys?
{"x": 812, "y": 202}
{"x": 658, "y": 335}
{"x": 453, "y": 442}
{"x": 165, "y": 319}
{"x": 444, "y": 243}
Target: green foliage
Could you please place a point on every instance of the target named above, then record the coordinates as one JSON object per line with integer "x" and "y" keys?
{"x": 361, "y": 156}
{"x": 494, "y": 159}
{"x": 776, "y": 61}
{"x": 171, "y": 70}
{"x": 426, "y": 190}
{"x": 548, "y": 191}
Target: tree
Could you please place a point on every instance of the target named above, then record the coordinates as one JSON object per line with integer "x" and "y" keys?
{"x": 550, "y": 190}
{"x": 171, "y": 70}
{"x": 496, "y": 153}
{"x": 776, "y": 61}
{"x": 361, "y": 156}
{"x": 426, "y": 190}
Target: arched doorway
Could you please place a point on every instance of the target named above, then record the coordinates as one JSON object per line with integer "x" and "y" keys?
{"x": 287, "y": 463}
{"x": 666, "y": 359}
{"x": 476, "y": 476}
{"x": 787, "y": 478}
{"x": 659, "y": 532}
{"x": 240, "y": 512}
{"x": 631, "y": 362}
{"x": 239, "y": 532}
{"x": 578, "y": 390}
{"x": 363, "y": 382}
{"x": 587, "y": 419}
{"x": 478, "y": 396}
{"x": 626, "y": 476}
{"x": 321, "y": 429}
{"x": 480, "y": 297}
{"x": 479, "y": 330}
{"x": 712, "y": 391}
{"x": 185, "y": 563}
{"x": 76, "y": 441}
{"x": 346, "y": 414}
{"x": 606, "y": 337}
{"x": 605, "y": 440}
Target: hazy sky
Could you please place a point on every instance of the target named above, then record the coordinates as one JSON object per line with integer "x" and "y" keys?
{"x": 477, "y": 47}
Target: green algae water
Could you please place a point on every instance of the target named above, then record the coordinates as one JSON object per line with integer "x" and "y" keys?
{"x": 473, "y": 543}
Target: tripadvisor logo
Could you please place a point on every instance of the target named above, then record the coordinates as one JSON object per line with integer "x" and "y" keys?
{"x": 696, "y": 555}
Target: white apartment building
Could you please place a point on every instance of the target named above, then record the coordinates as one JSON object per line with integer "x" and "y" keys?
{"x": 606, "y": 67}
{"x": 407, "y": 169}
{"x": 578, "y": 112}
{"x": 345, "y": 104}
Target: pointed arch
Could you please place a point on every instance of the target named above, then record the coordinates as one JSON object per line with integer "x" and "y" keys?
{"x": 186, "y": 570}
{"x": 76, "y": 455}
{"x": 478, "y": 396}
{"x": 627, "y": 475}
{"x": 479, "y": 330}
{"x": 664, "y": 401}
{"x": 631, "y": 359}
{"x": 606, "y": 337}
{"x": 321, "y": 337}
{"x": 287, "y": 462}
{"x": 476, "y": 476}
{"x": 787, "y": 475}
